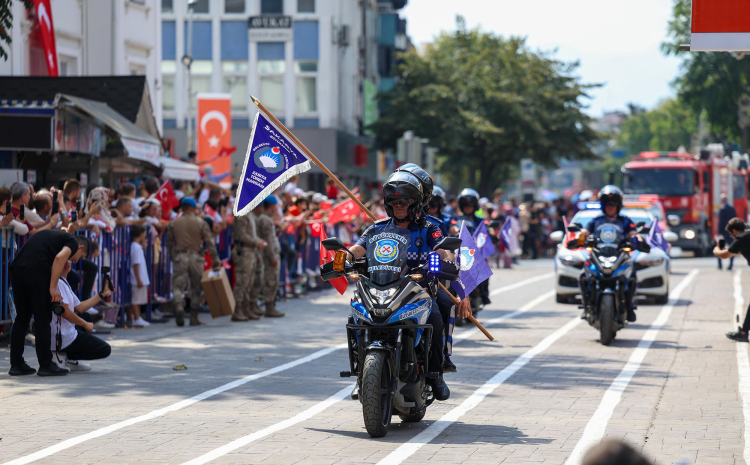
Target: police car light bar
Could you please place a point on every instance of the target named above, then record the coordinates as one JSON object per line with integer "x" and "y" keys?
{"x": 589, "y": 205}
{"x": 434, "y": 263}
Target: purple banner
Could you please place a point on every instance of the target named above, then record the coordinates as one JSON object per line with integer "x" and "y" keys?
{"x": 270, "y": 161}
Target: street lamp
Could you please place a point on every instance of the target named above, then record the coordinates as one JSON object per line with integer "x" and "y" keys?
{"x": 187, "y": 60}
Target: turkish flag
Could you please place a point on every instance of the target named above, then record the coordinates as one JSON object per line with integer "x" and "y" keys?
{"x": 47, "y": 31}
{"x": 326, "y": 256}
{"x": 214, "y": 132}
{"x": 344, "y": 211}
{"x": 315, "y": 228}
{"x": 167, "y": 198}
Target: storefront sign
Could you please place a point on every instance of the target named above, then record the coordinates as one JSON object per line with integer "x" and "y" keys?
{"x": 72, "y": 134}
{"x": 270, "y": 28}
{"x": 142, "y": 151}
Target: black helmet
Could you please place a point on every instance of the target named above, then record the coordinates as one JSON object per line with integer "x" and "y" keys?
{"x": 438, "y": 198}
{"x": 610, "y": 195}
{"x": 468, "y": 197}
{"x": 403, "y": 185}
{"x": 423, "y": 177}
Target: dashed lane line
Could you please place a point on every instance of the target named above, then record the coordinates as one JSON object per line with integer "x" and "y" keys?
{"x": 596, "y": 426}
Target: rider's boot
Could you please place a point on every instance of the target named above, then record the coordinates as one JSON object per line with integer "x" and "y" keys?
{"x": 631, "y": 314}
{"x": 440, "y": 389}
{"x": 448, "y": 366}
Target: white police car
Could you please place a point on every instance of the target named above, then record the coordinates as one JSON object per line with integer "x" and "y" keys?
{"x": 652, "y": 269}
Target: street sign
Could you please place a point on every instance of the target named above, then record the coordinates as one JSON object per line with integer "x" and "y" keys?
{"x": 720, "y": 26}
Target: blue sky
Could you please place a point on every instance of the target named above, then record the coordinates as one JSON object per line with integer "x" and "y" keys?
{"x": 617, "y": 42}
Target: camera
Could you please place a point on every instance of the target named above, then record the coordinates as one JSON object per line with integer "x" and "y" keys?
{"x": 722, "y": 243}
{"x": 57, "y": 308}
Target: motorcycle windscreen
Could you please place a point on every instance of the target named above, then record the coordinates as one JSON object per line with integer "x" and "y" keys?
{"x": 386, "y": 254}
{"x": 610, "y": 235}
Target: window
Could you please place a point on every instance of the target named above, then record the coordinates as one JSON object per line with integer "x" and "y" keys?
{"x": 272, "y": 93}
{"x": 201, "y": 70}
{"x": 166, "y": 6}
{"x": 68, "y": 66}
{"x": 199, "y": 6}
{"x": 234, "y": 6}
{"x": 271, "y": 66}
{"x": 168, "y": 70}
{"x": 271, "y": 7}
{"x": 137, "y": 69}
{"x": 235, "y": 83}
{"x": 305, "y": 6}
{"x": 306, "y": 95}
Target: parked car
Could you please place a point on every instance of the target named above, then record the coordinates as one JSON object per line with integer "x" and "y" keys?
{"x": 652, "y": 269}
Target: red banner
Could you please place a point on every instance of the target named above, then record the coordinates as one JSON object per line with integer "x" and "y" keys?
{"x": 214, "y": 134}
{"x": 47, "y": 31}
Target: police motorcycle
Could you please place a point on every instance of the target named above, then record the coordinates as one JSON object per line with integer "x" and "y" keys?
{"x": 608, "y": 281}
{"x": 389, "y": 341}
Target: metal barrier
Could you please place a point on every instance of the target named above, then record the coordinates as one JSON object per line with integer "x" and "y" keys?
{"x": 7, "y": 254}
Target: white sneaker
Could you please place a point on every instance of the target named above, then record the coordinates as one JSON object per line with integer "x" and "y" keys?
{"x": 77, "y": 365}
{"x": 60, "y": 358}
{"x": 101, "y": 324}
{"x": 157, "y": 314}
{"x": 140, "y": 323}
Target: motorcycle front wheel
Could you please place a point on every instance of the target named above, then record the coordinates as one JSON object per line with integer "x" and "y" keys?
{"x": 607, "y": 319}
{"x": 376, "y": 393}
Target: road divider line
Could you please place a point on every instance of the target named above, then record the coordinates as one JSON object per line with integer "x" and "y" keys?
{"x": 68, "y": 443}
{"x": 511, "y": 287}
{"x": 320, "y": 407}
{"x": 408, "y": 449}
{"x": 245, "y": 440}
{"x": 743, "y": 365}
{"x": 596, "y": 426}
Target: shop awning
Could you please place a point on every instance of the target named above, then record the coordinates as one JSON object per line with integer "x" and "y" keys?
{"x": 176, "y": 169}
{"x": 138, "y": 144}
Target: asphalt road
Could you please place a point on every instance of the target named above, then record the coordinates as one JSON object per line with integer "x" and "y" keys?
{"x": 543, "y": 392}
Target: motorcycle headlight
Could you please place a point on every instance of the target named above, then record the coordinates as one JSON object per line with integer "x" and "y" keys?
{"x": 381, "y": 312}
{"x": 655, "y": 262}
{"x": 381, "y": 297}
{"x": 569, "y": 260}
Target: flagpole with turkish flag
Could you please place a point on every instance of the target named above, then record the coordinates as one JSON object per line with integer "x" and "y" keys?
{"x": 214, "y": 132}
{"x": 47, "y": 31}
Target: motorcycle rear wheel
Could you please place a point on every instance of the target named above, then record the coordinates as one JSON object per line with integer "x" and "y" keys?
{"x": 376, "y": 393}
{"x": 607, "y": 319}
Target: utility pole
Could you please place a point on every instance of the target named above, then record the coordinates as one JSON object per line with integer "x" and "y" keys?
{"x": 187, "y": 60}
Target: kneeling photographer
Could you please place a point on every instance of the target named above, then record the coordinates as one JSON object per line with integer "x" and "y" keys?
{"x": 741, "y": 245}
{"x": 70, "y": 344}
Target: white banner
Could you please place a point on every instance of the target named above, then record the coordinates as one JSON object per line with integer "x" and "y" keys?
{"x": 142, "y": 150}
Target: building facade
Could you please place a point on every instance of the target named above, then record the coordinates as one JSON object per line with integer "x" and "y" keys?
{"x": 314, "y": 63}
{"x": 94, "y": 38}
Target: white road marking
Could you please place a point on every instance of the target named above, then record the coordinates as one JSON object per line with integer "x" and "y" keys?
{"x": 739, "y": 302}
{"x": 598, "y": 423}
{"x": 68, "y": 443}
{"x": 743, "y": 365}
{"x": 317, "y": 408}
{"x": 245, "y": 440}
{"x": 511, "y": 287}
{"x": 408, "y": 449}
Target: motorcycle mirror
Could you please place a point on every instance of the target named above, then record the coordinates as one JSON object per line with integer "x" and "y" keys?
{"x": 450, "y": 243}
{"x": 557, "y": 236}
{"x": 640, "y": 224}
{"x": 669, "y": 236}
{"x": 673, "y": 220}
{"x": 574, "y": 227}
{"x": 333, "y": 243}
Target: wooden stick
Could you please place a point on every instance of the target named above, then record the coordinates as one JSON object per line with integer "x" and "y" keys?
{"x": 471, "y": 317}
{"x": 314, "y": 158}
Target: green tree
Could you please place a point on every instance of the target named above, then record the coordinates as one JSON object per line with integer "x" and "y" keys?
{"x": 671, "y": 124}
{"x": 6, "y": 22}
{"x": 710, "y": 81}
{"x": 486, "y": 102}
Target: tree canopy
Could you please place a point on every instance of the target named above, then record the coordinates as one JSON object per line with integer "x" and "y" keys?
{"x": 670, "y": 124}
{"x": 486, "y": 102}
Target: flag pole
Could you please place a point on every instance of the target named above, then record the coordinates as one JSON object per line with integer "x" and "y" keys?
{"x": 313, "y": 158}
{"x": 471, "y": 317}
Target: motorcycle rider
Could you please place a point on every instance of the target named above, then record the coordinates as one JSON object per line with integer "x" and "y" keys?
{"x": 404, "y": 199}
{"x": 468, "y": 205}
{"x": 610, "y": 198}
{"x": 444, "y": 302}
{"x": 435, "y": 208}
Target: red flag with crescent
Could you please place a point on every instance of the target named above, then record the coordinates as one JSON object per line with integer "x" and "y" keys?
{"x": 167, "y": 198}
{"x": 214, "y": 132}
{"x": 47, "y": 31}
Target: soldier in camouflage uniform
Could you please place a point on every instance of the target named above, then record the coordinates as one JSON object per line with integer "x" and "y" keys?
{"x": 245, "y": 258}
{"x": 271, "y": 258}
{"x": 184, "y": 237}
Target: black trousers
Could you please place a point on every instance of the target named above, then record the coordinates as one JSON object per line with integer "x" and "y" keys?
{"x": 87, "y": 347}
{"x": 31, "y": 297}
{"x": 89, "y": 270}
{"x": 447, "y": 314}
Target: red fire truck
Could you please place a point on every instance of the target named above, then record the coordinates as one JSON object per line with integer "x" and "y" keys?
{"x": 689, "y": 187}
